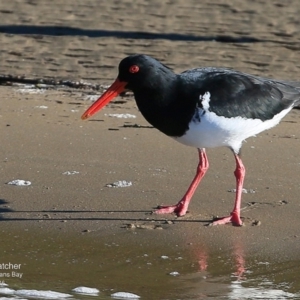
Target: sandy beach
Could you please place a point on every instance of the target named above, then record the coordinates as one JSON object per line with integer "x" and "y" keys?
{"x": 72, "y": 164}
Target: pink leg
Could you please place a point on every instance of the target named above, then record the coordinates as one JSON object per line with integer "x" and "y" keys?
{"x": 234, "y": 217}
{"x": 181, "y": 207}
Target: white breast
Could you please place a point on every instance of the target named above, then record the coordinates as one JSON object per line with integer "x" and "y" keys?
{"x": 217, "y": 131}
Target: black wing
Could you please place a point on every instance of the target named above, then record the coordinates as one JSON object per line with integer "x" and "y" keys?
{"x": 237, "y": 94}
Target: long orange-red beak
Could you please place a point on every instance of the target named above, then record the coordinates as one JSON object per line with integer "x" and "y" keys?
{"x": 114, "y": 90}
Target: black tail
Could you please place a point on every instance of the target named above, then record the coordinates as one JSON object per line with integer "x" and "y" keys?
{"x": 291, "y": 91}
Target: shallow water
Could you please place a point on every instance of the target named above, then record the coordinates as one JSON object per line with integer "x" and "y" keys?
{"x": 129, "y": 263}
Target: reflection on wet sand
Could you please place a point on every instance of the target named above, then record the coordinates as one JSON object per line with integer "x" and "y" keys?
{"x": 203, "y": 271}
{"x": 247, "y": 281}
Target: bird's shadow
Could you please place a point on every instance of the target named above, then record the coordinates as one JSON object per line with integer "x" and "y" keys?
{"x": 7, "y": 214}
{"x": 4, "y": 208}
{"x": 40, "y": 30}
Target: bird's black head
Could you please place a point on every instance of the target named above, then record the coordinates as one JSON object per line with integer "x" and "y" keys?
{"x": 145, "y": 76}
{"x": 141, "y": 71}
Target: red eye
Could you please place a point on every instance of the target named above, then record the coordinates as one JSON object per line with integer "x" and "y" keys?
{"x": 134, "y": 69}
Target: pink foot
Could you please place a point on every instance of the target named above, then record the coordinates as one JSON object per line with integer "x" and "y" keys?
{"x": 179, "y": 209}
{"x": 234, "y": 218}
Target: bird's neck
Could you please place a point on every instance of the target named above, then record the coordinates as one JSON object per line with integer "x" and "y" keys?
{"x": 164, "y": 106}
{"x": 158, "y": 93}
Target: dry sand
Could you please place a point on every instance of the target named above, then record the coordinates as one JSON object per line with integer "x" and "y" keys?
{"x": 42, "y": 136}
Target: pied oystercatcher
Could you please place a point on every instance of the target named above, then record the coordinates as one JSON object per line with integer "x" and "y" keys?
{"x": 204, "y": 108}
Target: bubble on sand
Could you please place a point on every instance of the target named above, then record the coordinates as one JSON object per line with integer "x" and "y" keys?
{"x": 121, "y": 116}
{"x": 86, "y": 291}
{"x": 19, "y": 182}
{"x": 70, "y": 173}
{"x": 34, "y": 294}
{"x": 125, "y": 295}
{"x": 244, "y": 191}
{"x": 119, "y": 184}
{"x": 42, "y": 106}
{"x": 91, "y": 97}
{"x": 7, "y": 291}
{"x": 3, "y": 284}
{"x": 31, "y": 89}
{"x": 41, "y": 294}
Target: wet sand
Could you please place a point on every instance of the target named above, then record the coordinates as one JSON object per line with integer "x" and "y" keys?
{"x": 43, "y": 137}
{"x": 69, "y": 163}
